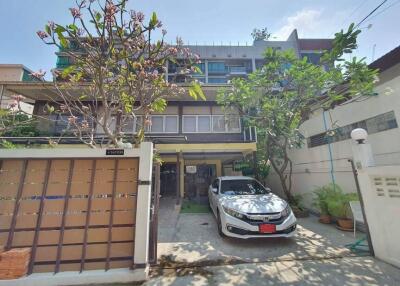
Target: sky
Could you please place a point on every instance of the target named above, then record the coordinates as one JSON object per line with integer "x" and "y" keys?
{"x": 208, "y": 22}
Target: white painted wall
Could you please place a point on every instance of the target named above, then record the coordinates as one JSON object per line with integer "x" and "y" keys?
{"x": 311, "y": 166}
{"x": 380, "y": 188}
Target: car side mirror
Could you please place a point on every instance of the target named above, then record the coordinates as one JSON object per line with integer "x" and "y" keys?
{"x": 214, "y": 190}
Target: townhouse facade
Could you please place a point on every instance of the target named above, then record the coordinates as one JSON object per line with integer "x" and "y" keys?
{"x": 196, "y": 140}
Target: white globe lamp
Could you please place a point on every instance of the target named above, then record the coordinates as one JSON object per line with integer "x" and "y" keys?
{"x": 359, "y": 135}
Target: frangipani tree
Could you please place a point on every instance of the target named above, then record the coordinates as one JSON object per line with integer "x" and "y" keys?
{"x": 278, "y": 98}
{"x": 117, "y": 69}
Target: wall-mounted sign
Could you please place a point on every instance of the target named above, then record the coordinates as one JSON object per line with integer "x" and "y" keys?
{"x": 191, "y": 169}
{"x": 115, "y": 152}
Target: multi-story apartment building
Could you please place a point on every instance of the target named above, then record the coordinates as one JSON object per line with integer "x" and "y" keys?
{"x": 196, "y": 140}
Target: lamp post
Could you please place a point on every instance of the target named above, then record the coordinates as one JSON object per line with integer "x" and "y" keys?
{"x": 364, "y": 158}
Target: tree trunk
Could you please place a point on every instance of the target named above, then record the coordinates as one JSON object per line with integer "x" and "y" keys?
{"x": 285, "y": 180}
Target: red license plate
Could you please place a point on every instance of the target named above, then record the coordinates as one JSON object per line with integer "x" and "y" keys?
{"x": 267, "y": 228}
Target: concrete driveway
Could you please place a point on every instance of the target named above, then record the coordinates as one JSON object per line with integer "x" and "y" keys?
{"x": 193, "y": 238}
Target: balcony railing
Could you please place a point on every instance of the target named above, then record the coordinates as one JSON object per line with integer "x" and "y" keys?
{"x": 237, "y": 70}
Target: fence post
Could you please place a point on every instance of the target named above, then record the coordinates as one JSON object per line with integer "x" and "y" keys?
{"x": 142, "y": 228}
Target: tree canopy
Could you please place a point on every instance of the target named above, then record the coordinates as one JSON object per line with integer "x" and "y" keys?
{"x": 117, "y": 61}
{"x": 278, "y": 97}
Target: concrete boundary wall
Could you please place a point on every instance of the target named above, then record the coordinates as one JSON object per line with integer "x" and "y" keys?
{"x": 380, "y": 188}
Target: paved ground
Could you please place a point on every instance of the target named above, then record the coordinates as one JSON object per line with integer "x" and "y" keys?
{"x": 192, "y": 253}
{"x": 193, "y": 238}
{"x": 339, "y": 272}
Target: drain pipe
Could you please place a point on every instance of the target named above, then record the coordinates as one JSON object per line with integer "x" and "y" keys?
{"x": 332, "y": 171}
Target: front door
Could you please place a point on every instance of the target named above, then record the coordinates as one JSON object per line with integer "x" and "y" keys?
{"x": 168, "y": 179}
{"x": 196, "y": 184}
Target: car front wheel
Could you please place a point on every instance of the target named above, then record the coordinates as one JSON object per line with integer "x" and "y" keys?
{"x": 219, "y": 223}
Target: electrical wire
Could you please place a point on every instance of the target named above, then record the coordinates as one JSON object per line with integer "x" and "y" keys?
{"x": 384, "y": 10}
{"x": 370, "y": 13}
{"x": 363, "y": 2}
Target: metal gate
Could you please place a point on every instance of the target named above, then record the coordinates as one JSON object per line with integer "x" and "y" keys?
{"x": 75, "y": 214}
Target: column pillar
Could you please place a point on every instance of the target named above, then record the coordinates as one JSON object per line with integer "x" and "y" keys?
{"x": 142, "y": 227}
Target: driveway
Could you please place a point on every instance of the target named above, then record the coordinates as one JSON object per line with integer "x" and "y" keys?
{"x": 349, "y": 271}
{"x": 193, "y": 238}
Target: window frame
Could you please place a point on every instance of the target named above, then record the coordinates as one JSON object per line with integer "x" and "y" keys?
{"x": 226, "y": 131}
{"x": 148, "y": 128}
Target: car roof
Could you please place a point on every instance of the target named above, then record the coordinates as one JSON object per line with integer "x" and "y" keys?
{"x": 230, "y": 178}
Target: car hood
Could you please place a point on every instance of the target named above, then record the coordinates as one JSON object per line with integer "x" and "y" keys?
{"x": 254, "y": 204}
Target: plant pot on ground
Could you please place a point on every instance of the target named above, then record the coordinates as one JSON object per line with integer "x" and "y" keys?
{"x": 338, "y": 206}
{"x": 325, "y": 218}
{"x": 320, "y": 201}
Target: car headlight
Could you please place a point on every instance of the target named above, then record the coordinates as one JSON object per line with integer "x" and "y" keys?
{"x": 233, "y": 213}
{"x": 286, "y": 212}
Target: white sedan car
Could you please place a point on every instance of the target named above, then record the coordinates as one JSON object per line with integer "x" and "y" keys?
{"x": 246, "y": 209}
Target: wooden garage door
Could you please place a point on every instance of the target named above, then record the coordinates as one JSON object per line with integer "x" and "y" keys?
{"x": 75, "y": 214}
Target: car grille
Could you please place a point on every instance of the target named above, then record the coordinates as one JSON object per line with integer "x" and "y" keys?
{"x": 255, "y": 219}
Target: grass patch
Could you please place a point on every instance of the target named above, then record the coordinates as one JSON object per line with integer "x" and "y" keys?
{"x": 190, "y": 207}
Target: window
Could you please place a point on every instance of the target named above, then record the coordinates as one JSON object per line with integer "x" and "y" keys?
{"x": 242, "y": 187}
{"x": 138, "y": 123}
{"x": 216, "y": 67}
{"x": 219, "y": 123}
{"x": 204, "y": 123}
{"x": 159, "y": 124}
{"x": 232, "y": 123}
{"x": 62, "y": 62}
{"x": 171, "y": 124}
{"x": 228, "y": 124}
{"x": 189, "y": 123}
{"x": 211, "y": 124}
{"x": 372, "y": 125}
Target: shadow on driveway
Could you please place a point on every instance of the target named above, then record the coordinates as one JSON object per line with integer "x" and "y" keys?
{"x": 193, "y": 238}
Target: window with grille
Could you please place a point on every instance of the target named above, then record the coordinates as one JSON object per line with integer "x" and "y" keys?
{"x": 372, "y": 125}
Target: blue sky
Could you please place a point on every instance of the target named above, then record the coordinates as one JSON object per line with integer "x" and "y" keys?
{"x": 207, "y": 21}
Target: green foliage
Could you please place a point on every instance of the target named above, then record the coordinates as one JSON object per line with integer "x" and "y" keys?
{"x": 116, "y": 61}
{"x": 321, "y": 196}
{"x": 278, "y": 97}
{"x": 196, "y": 91}
{"x": 18, "y": 124}
{"x": 7, "y": 144}
{"x": 338, "y": 203}
{"x": 297, "y": 202}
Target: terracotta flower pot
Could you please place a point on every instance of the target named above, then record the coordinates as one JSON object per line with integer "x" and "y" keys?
{"x": 300, "y": 213}
{"x": 345, "y": 224}
{"x": 324, "y": 218}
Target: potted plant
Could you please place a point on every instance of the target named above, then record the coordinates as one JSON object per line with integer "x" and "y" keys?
{"x": 338, "y": 206}
{"x": 320, "y": 201}
{"x": 297, "y": 207}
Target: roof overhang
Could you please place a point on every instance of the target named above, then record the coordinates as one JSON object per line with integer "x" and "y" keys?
{"x": 47, "y": 90}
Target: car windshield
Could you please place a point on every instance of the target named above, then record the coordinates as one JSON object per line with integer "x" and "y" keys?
{"x": 242, "y": 187}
